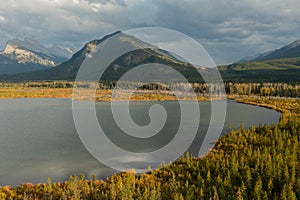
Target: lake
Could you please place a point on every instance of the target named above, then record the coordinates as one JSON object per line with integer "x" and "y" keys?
{"x": 38, "y": 138}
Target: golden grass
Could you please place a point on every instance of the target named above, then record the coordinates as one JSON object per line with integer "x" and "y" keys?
{"x": 30, "y": 92}
{"x": 86, "y": 94}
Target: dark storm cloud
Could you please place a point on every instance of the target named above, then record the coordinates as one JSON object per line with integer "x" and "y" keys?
{"x": 228, "y": 29}
{"x": 232, "y": 29}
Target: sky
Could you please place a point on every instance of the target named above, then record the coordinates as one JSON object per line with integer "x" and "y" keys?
{"x": 229, "y": 30}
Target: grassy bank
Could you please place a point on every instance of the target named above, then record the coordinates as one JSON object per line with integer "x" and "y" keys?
{"x": 257, "y": 163}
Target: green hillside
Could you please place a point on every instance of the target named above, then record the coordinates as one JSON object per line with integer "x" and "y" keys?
{"x": 277, "y": 70}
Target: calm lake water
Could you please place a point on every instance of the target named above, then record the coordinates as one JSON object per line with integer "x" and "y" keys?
{"x": 38, "y": 138}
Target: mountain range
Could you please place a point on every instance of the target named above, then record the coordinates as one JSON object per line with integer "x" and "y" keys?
{"x": 289, "y": 51}
{"x": 29, "y": 55}
{"x": 278, "y": 65}
{"x": 68, "y": 70}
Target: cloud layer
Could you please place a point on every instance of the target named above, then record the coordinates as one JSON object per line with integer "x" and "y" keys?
{"x": 228, "y": 29}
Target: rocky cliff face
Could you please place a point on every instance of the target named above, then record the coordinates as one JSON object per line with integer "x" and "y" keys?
{"x": 29, "y": 55}
{"x": 23, "y": 56}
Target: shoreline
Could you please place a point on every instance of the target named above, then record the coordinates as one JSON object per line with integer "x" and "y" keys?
{"x": 260, "y": 105}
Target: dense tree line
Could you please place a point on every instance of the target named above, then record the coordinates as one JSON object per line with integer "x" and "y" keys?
{"x": 264, "y": 89}
{"x": 261, "y": 89}
{"x": 256, "y": 163}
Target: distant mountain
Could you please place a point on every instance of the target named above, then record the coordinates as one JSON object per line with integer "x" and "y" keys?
{"x": 281, "y": 64}
{"x": 253, "y": 58}
{"x": 29, "y": 55}
{"x": 68, "y": 70}
{"x": 290, "y": 51}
